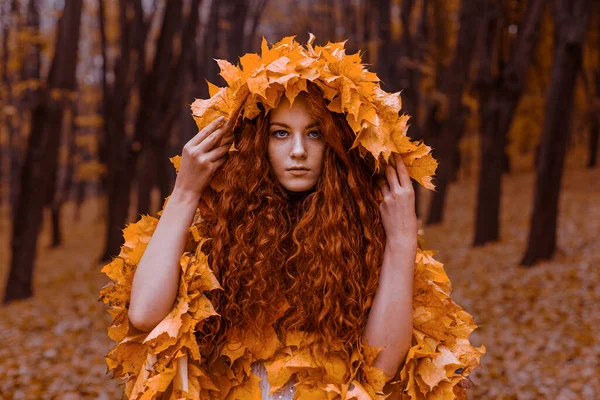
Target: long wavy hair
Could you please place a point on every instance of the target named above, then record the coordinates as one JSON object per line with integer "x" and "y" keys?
{"x": 322, "y": 250}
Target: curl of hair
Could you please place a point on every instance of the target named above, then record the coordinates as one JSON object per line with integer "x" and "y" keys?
{"x": 323, "y": 251}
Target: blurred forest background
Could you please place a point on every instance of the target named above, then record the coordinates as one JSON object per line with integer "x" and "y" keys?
{"x": 94, "y": 99}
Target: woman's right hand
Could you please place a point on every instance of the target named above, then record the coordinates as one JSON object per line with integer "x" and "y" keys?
{"x": 202, "y": 156}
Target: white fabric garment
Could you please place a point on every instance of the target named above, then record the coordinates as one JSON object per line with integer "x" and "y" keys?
{"x": 285, "y": 393}
{"x": 258, "y": 369}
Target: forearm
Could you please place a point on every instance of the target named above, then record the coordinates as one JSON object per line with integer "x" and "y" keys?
{"x": 156, "y": 278}
{"x": 390, "y": 320}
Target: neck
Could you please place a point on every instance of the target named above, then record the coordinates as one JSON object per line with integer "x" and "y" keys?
{"x": 295, "y": 200}
{"x": 294, "y": 197}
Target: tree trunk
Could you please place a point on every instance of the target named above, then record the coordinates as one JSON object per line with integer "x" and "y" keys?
{"x": 594, "y": 134}
{"x": 498, "y": 99}
{"x": 236, "y": 14}
{"x": 63, "y": 185}
{"x": 56, "y": 226}
{"x": 156, "y": 167}
{"x": 571, "y": 28}
{"x": 42, "y": 153}
{"x": 166, "y": 173}
{"x": 6, "y": 99}
{"x": 146, "y": 181}
{"x": 595, "y": 125}
{"x": 79, "y": 198}
{"x": 259, "y": 8}
{"x": 156, "y": 89}
{"x": 206, "y": 66}
{"x": 384, "y": 53}
{"x": 407, "y": 75}
{"x": 120, "y": 152}
{"x": 30, "y": 69}
{"x": 367, "y": 8}
{"x": 455, "y": 78}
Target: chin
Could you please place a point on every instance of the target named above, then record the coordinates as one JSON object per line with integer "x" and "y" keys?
{"x": 299, "y": 186}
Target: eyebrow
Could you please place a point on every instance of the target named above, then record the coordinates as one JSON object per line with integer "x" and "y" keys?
{"x": 287, "y": 126}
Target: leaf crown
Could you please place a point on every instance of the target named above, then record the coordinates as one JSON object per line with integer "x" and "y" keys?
{"x": 348, "y": 87}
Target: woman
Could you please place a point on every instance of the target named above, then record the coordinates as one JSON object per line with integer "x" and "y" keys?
{"x": 313, "y": 257}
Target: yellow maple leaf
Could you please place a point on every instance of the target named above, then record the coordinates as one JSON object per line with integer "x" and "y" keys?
{"x": 422, "y": 169}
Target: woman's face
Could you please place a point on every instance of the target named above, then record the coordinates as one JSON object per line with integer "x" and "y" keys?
{"x": 295, "y": 141}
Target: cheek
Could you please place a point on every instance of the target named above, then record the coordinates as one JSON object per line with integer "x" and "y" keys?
{"x": 274, "y": 153}
{"x": 320, "y": 153}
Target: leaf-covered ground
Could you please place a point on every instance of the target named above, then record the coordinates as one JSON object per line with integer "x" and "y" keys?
{"x": 539, "y": 325}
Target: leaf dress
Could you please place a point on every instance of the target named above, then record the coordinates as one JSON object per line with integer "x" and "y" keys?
{"x": 166, "y": 363}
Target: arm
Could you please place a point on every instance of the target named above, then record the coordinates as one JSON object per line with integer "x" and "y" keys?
{"x": 156, "y": 278}
{"x": 390, "y": 320}
{"x": 158, "y": 270}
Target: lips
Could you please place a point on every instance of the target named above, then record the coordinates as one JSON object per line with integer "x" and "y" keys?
{"x": 298, "y": 172}
{"x": 298, "y": 169}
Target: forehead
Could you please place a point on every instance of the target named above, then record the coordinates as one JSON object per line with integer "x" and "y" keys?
{"x": 299, "y": 111}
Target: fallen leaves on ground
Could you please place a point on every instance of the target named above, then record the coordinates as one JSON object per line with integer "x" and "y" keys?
{"x": 539, "y": 324}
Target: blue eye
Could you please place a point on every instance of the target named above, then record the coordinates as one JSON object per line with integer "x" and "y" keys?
{"x": 276, "y": 132}
{"x": 317, "y": 134}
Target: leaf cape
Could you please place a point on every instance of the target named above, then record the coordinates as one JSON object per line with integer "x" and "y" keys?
{"x": 165, "y": 363}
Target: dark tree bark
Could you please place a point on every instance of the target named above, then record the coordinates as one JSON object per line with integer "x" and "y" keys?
{"x": 594, "y": 135}
{"x": 79, "y": 198}
{"x": 385, "y": 64}
{"x": 167, "y": 107}
{"x": 259, "y": 8}
{"x": 6, "y": 99}
{"x": 498, "y": 99}
{"x": 205, "y": 68}
{"x": 30, "y": 70}
{"x": 63, "y": 185}
{"x": 155, "y": 91}
{"x": 398, "y": 63}
{"x": 41, "y": 157}
{"x": 452, "y": 86}
{"x": 595, "y": 125}
{"x": 236, "y": 13}
{"x": 202, "y": 69}
{"x": 408, "y": 73}
{"x": 571, "y": 20}
{"x": 119, "y": 152}
{"x": 367, "y": 13}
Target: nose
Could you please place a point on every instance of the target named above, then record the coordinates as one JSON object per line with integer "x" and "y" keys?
{"x": 298, "y": 147}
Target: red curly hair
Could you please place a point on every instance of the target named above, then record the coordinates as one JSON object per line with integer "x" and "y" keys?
{"x": 322, "y": 250}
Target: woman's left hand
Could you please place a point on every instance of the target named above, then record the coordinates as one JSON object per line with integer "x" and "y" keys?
{"x": 398, "y": 205}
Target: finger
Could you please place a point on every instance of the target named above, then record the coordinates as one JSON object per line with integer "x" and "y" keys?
{"x": 219, "y": 162}
{"x": 403, "y": 175}
{"x": 207, "y": 130}
{"x": 218, "y": 152}
{"x": 227, "y": 139}
{"x": 213, "y": 139}
{"x": 385, "y": 189}
{"x": 392, "y": 178}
